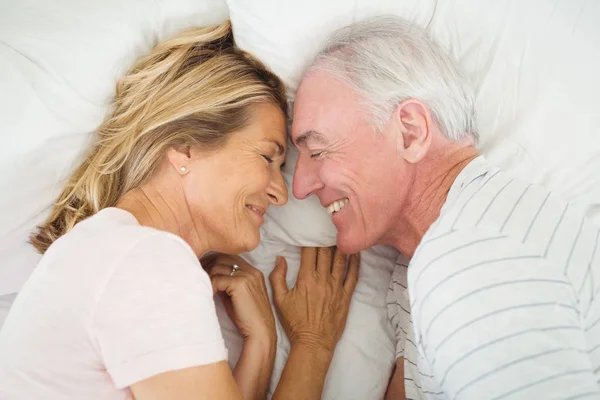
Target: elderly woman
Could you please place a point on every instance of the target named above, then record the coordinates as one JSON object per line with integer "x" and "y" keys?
{"x": 119, "y": 306}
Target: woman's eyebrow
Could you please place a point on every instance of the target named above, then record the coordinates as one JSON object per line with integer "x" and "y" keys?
{"x": 280, "y": 147}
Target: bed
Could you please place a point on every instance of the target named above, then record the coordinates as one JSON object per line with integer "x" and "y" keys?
{"x": 534, "y": 64}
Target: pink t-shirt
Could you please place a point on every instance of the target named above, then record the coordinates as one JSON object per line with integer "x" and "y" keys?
{"x": 110, "y": 303}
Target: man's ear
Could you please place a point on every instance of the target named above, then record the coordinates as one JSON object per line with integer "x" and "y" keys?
{"x": 415, "y": 124}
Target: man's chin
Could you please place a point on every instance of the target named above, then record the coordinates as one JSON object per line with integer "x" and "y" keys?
{"x": 349, "y": 245}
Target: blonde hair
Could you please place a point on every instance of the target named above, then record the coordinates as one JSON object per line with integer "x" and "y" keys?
{"x": 192, "y": 90}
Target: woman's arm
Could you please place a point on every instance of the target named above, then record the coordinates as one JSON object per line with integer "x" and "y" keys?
{"x": 313, "y": 314}
{"x": 245, "y": 297}
{"x": 212, "y": 381}
{"x": 253, "y": 370}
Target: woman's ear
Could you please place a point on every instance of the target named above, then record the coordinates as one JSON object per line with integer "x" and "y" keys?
{"x": 415, "y": 125}
{"x": 179, "y": 158}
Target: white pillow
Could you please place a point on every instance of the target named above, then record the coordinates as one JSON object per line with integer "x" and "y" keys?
{"x": 534, "y": 65}
{"x": 59, "y": 61}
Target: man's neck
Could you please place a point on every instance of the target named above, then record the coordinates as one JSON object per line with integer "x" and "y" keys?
{"x": 426, "y": 197}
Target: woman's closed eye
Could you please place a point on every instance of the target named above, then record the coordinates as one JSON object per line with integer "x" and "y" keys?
{"x": 269, "y": 159}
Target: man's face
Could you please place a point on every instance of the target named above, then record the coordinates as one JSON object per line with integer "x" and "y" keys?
{"x": 354, "y": 170}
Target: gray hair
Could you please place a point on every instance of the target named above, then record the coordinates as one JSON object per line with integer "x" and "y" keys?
{"x": 388, "y": 60}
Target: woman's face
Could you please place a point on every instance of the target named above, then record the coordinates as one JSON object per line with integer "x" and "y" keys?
{"x": 229, "y": 191}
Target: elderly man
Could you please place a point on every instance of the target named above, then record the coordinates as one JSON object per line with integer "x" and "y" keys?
{"x": 503, "y": 277}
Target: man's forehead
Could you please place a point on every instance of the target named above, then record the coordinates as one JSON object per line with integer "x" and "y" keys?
{"x": 323, "y": 85}
{"x": 321, "y": 102}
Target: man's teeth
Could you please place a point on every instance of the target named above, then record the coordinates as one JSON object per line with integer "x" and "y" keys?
{"x": 337, "y": 205}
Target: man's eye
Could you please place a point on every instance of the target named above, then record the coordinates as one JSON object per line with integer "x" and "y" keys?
{"x": 269, "y": 159}
{"x": 316, "y": 155}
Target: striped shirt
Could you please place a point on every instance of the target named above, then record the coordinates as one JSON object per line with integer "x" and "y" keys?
{"x": 504, "y": 294}
{"x": 399, "y": 312}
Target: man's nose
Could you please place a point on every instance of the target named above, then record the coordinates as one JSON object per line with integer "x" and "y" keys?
{"x": 306, "y": 180}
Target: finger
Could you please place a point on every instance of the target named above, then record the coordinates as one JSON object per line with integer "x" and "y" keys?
{"x": 209, "y": 259}
{"x": 221, "y": 269}
{"x": 352, "y": 275}
{"x": 222, "y": 283}
{"x": 308, "y": 262}
{"x": 338, "y": 269}
{"x": 227, "y": 283}
{"x": 324, "y": 261}
{"x": 228, "y": 304}
{"x": 277, "y": 279}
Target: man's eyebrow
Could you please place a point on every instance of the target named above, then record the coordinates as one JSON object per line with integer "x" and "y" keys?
{"x": 310, "y": 135}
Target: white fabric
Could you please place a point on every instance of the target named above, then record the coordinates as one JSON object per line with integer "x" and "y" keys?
{"x": 5, "y": 303}
{"x": 504, "y": 293}
{"x": 111, "y": 303}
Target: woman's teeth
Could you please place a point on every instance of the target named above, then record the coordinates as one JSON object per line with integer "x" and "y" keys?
{"x": 337, "y": 205}
{"x": 255, "y": 210}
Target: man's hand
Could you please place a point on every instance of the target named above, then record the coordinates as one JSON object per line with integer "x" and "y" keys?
{"x": 315, "y": 310}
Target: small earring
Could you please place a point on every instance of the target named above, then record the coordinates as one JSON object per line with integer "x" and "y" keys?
{"x": 182, "y": 169}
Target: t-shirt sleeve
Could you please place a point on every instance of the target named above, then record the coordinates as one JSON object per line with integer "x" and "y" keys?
{"x": 494, "y": 320}
{"x": 157, "y": 313}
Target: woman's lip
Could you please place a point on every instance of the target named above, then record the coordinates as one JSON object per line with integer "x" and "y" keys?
{"x": 257, "y": 209}
{"x": 257, "y": 214}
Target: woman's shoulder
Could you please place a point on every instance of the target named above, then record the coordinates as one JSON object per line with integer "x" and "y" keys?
{"x": 117, "y": 231}
{"x": 159, "y": 246}
{"x": 113, "y": 240}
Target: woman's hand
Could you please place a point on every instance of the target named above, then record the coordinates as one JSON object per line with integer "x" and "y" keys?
{"x": 245, "y": 296}
{"x": 314, "y": 312}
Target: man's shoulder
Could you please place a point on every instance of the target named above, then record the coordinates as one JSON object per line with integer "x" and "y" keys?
{"x": 497, "y": 203}
{"x": 465, "y": 246}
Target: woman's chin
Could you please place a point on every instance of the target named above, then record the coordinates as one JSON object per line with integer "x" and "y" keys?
{"x": 249, "y": 242}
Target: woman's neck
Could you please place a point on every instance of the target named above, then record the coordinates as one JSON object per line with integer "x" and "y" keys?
{"x": 165, "y": 213}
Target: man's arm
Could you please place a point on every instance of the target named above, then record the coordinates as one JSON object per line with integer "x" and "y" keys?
{"x": 395, "y": 390}
{"x": 313, "y": 314}
{"x": 304, "y": 374}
